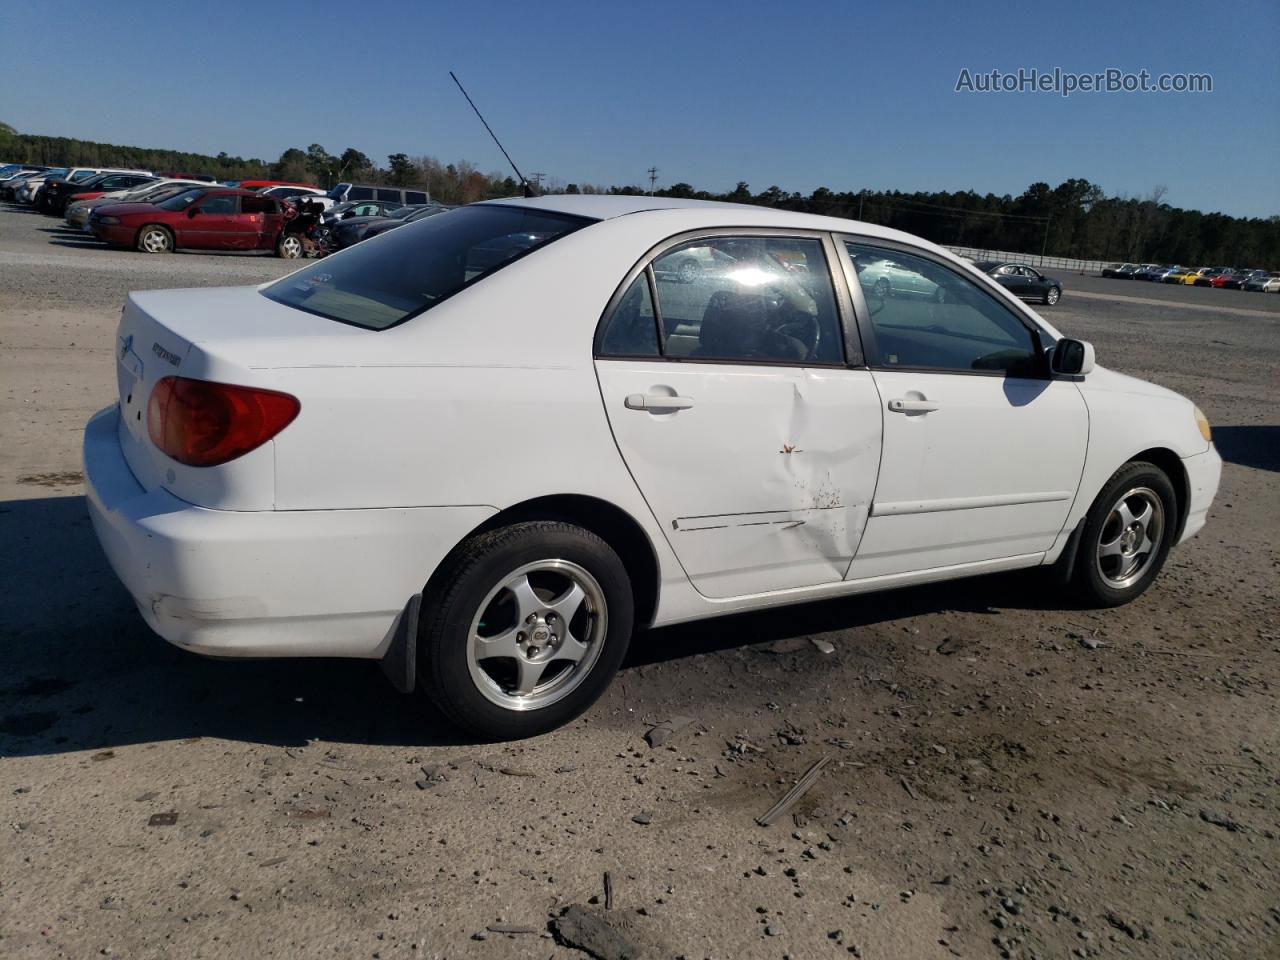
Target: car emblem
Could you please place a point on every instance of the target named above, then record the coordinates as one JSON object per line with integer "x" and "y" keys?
{"x": 126, "y": 344}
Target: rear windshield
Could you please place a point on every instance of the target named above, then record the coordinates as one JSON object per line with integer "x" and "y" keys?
{"x": 384, "y": 281}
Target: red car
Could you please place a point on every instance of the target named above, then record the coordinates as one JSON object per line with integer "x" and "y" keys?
{"x": 199, "y": 219}
{"x": 259, "y": 184}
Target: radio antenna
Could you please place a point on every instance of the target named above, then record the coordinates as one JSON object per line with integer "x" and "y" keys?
{"x": 528, "y": 190}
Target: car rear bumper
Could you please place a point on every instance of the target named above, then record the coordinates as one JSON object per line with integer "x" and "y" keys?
{"x": 1204, "y": 471}
{"x": 303, "y": 583}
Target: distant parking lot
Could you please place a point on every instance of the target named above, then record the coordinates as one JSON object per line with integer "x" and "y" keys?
{"x": 1006, "y": 776}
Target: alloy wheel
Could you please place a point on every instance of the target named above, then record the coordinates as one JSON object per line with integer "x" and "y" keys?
{"x": 1131, "y": 537}
{"x": 156, "y": 241}
{"x": 537, "y": 634}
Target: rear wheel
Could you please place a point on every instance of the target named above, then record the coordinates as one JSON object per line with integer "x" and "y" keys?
{"x": 528, "y": 629}
{"x": 1127, "y": 536}
{"x": 155, "y": 239}
{"x": 1052, "y": 296}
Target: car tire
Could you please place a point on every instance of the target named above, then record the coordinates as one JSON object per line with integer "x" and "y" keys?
{"x": 1052, "y": 295}
{"x": 1137, "y": 507}
{"x": 154, "y": 239}
{"x": 499, "y": 593}
{"x": 688, "y": 271}
{"x": 882, "y": 288}
{"x": 289, "y": 247}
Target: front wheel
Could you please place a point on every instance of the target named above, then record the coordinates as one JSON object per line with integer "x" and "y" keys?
{"x": 1127, "y": 536}
{"x": 289, "y": 247}
{"x": 1052, "y": 296}
{"x": 154, "y": 239}
{"x": 527, "y": 630}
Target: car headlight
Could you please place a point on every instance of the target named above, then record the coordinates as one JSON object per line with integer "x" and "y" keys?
{"x": 109, "y": 220}
{"x": 1203, "y": 423}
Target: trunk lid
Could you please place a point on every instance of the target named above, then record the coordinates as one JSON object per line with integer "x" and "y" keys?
{"x": 229, "y": 335}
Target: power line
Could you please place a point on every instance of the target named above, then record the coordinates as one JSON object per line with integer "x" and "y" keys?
{"x": 653, "y": 178}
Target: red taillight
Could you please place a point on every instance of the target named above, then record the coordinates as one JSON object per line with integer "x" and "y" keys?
{"x": 203, "y": 424}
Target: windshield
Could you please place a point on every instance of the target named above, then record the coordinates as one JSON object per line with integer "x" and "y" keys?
{"x": 182, "y": 200}
{"x": 403, "y": 272}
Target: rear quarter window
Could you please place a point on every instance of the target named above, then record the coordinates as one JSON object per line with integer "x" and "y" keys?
{"x": 409, "y": 270}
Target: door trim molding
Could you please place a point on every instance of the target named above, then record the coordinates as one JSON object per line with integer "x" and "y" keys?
{"x": 900, "y": 507}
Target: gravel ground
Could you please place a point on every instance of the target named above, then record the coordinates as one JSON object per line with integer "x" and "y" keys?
{"x": 1006, "y": 775}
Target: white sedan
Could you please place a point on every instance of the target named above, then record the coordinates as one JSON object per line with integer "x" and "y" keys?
{"x": 488, "y": 446}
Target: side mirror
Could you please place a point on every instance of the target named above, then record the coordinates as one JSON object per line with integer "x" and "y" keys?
{"x": 1072, "y": 358}
{"x": 193, "y": 211}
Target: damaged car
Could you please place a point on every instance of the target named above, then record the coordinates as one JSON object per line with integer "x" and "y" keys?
{"x": 488, "y": 447}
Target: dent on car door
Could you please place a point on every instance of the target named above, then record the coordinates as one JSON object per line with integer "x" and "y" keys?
{"x": 754, "y": 444}
{"x": 982, "y": 449}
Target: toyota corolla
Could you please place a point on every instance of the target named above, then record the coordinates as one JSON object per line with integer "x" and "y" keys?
{"x": 487, "y": 447}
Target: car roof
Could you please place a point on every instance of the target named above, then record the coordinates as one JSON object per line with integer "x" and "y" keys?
{"x": 608, "y": 207}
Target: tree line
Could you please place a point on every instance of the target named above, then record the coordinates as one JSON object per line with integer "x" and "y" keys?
{"x": 1074, "y": 219}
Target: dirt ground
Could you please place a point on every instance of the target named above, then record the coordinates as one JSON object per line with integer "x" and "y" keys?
{"x": 1006, "y": 775}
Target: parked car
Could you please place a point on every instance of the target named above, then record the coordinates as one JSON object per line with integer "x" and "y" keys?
{"x": 77, "y": 212}
{"x": 351, "y": 231}
{"x": 1206, "y": 275}
{"x": 1263, "y": 283}
{"x": 313, "y": 194}
{"x": 58, "y": 192}
{"x": 9, "y": 188}
{"x": 348, "y": 209}
{"x": 1118, "y": 271}
{"x": 199, "y": 219}
{"x": 1151, "y": 272}
{"x": 383, "y": 401}
{"x": 1025, "y": 282}
{"x": 34, "y": 191}
{"x": 262, "y": 184}
{"x": 1168, "y": 274}
{"x": 10, "y": 170}
{"x": 383, "y": 224}
{"x": 343, "y": 192}
{"x": 1238, "y": 279}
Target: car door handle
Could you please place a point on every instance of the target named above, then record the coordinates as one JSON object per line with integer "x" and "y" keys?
{"x": 656, "y": 401}
{"x": 912, "y": 406}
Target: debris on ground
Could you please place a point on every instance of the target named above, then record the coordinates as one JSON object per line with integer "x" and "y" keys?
{"x": 663, "y": 731}
{"x": 166, "y": 819}
{"x": 803, "y": 785}
{"x": 603, "y": 938}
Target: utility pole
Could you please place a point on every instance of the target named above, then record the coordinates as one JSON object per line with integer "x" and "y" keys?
{"x": 537, "y": 181}
{"x": 653, "y": 178}
{"x": 1045, "y": 246}
{"x": 859, "y": 204}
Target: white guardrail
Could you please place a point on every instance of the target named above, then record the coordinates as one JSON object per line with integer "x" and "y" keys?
{"x": 1032, "y": 259}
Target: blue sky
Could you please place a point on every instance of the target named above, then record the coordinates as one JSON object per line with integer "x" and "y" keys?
{"x": 799, "y": 94}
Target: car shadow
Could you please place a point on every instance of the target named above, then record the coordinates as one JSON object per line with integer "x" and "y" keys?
{"x": 87, "y": 243}
{"x": 1253, "y": 446}
{"x": 80, "y": 670}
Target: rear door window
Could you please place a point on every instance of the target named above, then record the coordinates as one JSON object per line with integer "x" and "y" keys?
{"x": 392, "y": 195}
{"x": 415, "y": 196}
{"x": 223, "y": 204}
{"x": 360, "y": 193}
{"x": 758, "y": 299}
